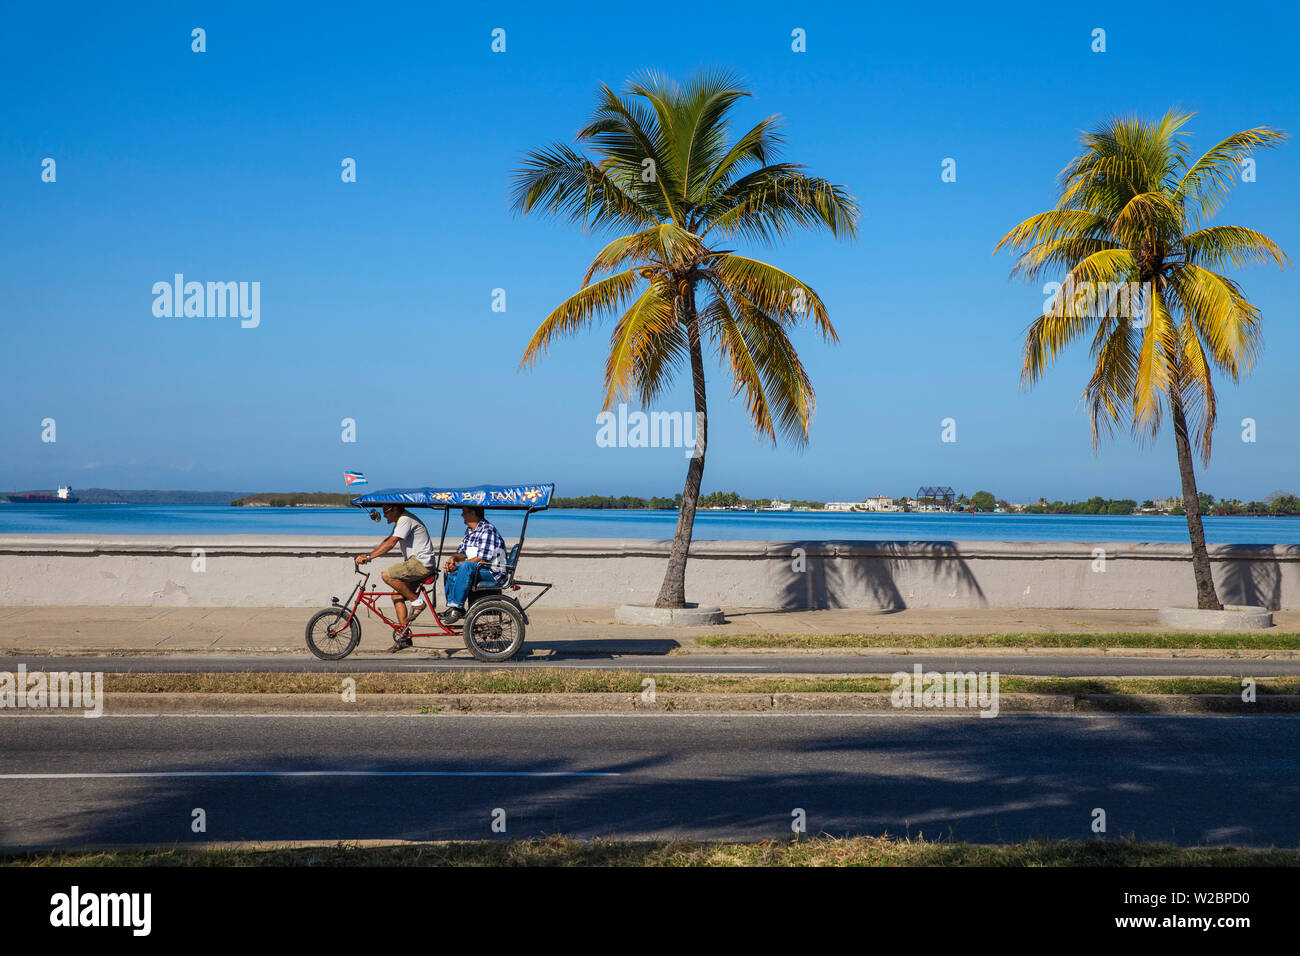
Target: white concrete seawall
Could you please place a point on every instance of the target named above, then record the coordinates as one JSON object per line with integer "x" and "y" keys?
{"x": 283, "y": 571}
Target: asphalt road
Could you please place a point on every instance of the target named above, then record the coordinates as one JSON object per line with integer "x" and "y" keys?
{"x": 1189, "y": 780}
{"x": 1056, "y": 665}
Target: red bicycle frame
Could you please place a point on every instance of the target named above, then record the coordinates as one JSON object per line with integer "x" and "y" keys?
{"x": 369, "y": 598}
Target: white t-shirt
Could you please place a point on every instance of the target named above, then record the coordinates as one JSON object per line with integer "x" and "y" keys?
{"x": 413, "y": 538}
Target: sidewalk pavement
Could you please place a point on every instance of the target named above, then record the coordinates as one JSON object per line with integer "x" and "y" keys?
{"x": 270, "y": 630}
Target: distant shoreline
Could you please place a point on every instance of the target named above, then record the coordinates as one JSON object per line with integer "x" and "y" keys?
{"x": 1290, "y": 506}
{"x": 748, "y": 512}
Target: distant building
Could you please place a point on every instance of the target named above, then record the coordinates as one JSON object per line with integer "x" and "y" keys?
{"x": 842, "y": 506}
{"x": 880, "y": 503}
{"x": 779, "y": 505}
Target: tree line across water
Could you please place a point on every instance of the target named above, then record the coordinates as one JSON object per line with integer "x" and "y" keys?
{"x": 1281, "y": 504}
{"x": 980, "y": 501}
{"x": 716, "y": 499}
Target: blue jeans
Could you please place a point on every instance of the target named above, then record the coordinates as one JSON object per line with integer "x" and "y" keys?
{"x": 456, "y": 584}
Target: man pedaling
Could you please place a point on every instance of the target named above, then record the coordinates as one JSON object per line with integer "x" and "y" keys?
{"x": 418, "y": 560}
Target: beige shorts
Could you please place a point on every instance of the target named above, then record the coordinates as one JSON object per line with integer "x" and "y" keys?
{"x": 410, "y": 571}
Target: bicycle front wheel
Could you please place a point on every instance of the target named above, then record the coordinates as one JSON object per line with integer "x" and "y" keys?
{"x": 331, "y": 636}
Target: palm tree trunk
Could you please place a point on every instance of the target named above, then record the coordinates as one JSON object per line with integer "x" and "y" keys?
{"x": 1207, "y": 599}
{"x": 673, "y": 591}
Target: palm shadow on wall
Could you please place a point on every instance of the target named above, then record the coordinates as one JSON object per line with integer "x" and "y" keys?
{"x": 1257, "y": 581}
{"x": 855, "y": 568}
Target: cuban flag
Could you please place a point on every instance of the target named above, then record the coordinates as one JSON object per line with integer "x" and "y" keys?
{"x": 353, "y": 478}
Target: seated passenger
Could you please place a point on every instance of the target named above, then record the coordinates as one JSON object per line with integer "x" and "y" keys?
{"x": 480, "y": 559}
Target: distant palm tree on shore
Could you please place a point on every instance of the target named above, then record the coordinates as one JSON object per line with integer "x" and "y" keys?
{"x": 1142, "y": 280}
{"x": 666, "y": 169}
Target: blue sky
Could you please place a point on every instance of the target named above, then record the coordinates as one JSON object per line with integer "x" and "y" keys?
{"x": 376, "y": 295}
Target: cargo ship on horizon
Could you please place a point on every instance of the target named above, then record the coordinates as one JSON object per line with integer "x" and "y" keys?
{"x": 63, "y": 496}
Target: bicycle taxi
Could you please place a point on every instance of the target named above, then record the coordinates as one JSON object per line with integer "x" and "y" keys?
{"x": 494, "y": 623}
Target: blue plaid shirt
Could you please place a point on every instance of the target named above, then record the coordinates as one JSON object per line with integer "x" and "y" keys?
{"x": 489, "y": 542}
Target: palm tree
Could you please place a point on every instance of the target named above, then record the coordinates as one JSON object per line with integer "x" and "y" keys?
{"x": 1143, "y": 280}
{"x": 665, "y": 169}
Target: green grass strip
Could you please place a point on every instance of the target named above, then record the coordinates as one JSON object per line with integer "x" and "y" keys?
{"x": 556, "y": 680}
{"x": 560, "y": 851}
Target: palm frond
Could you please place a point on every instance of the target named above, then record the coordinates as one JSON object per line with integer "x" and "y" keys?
{"x": 1075, "y": 253}
{"x": 752, "y": 148}
{"x": 735, "y": 355}
{"x": 699, "y": 125}
{"x": 772, "y": 201}
{"x": 775, "y": 292}
{"x": 754, "y": 339}
{"x": 647, "y": 325}
{"x": 561, "y": 181}
{"x": 575, "y": 312}
{"x": 1222, "y": 315}
{"x": 1157, "y": 368}
{"x": 1196, "y": 390}
{"x": 1217, "y": 246}
{"x": 1109, "y": 392}
{"x": 627, "y": 134}
{"x": 1206, "y": 182}
{"x": 1055, "y": 224}
{"x": 663, "y": 245}
{"x": 1047, "y": 336}
{"x": 1146, "y": 216}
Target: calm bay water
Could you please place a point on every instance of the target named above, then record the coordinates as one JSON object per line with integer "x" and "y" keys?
{"x": 199, "y": 520}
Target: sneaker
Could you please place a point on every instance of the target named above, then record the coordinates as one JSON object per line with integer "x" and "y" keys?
{"x": 413, "y": 611}
{"x": 451, "y": 614}
{"x": 401, "y": 642}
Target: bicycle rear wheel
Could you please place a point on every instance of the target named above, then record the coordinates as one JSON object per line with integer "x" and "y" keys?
{"x": 494, "y": 630}
{"x": 331, "y": 636}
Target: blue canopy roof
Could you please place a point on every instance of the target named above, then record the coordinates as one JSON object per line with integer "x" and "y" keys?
{"x": 516, "y": 497}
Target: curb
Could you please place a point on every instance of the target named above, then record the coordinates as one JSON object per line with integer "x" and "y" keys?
{"x": 1017, "y": 650}
{"x": 686, "y": 650}
{"x": 633, "y": 703}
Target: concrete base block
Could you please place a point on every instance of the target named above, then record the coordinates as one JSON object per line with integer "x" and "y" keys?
{"x": 1233, "y": 617}
{"x": 688, "y": 616}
